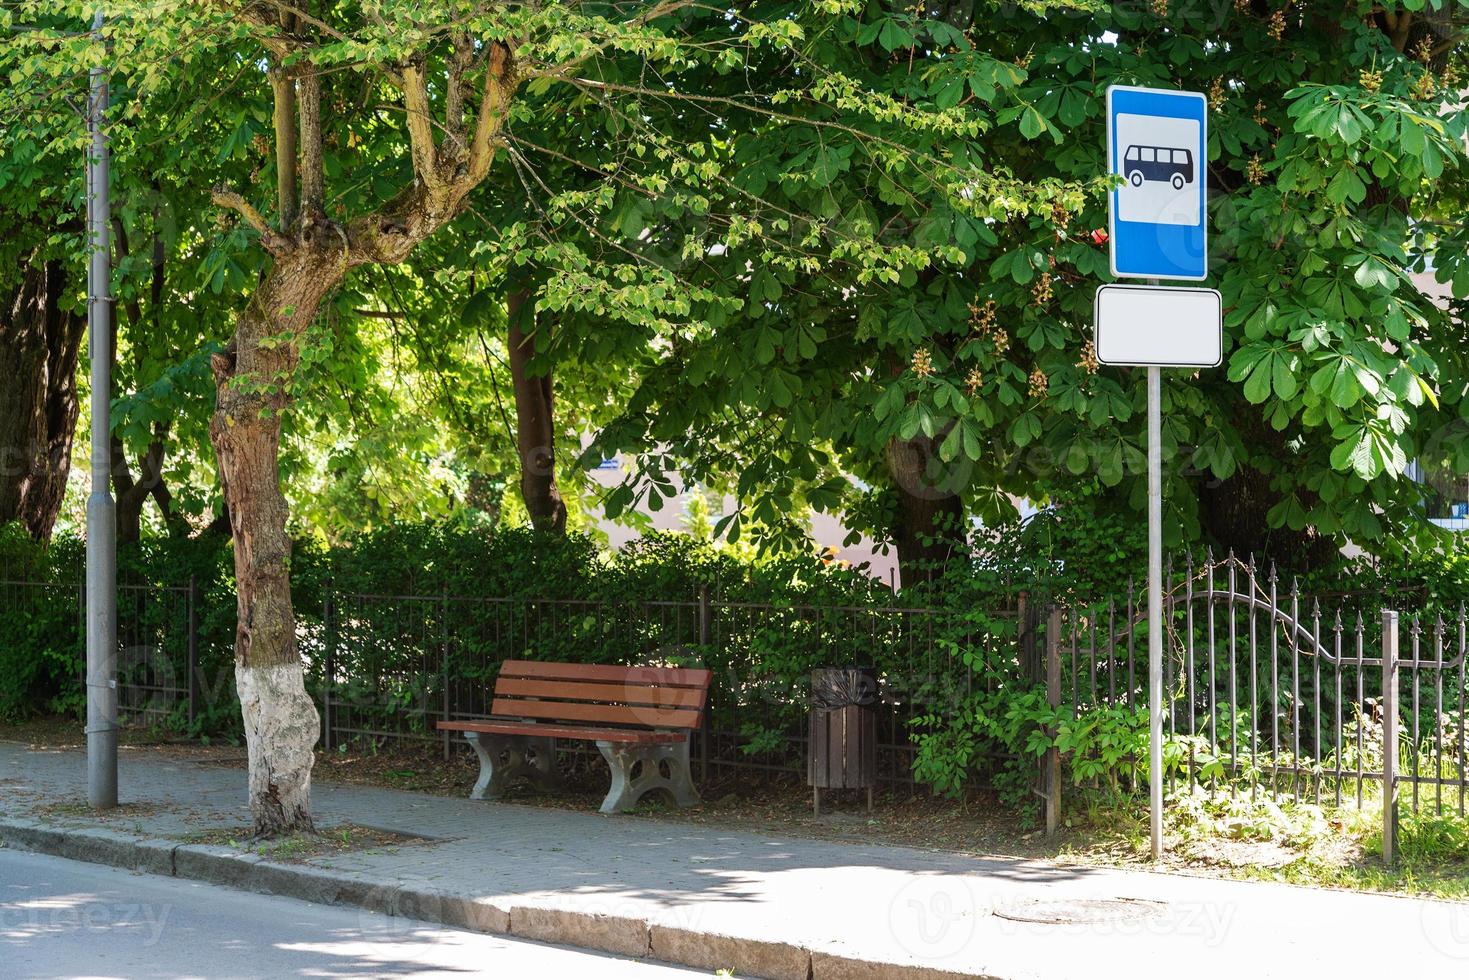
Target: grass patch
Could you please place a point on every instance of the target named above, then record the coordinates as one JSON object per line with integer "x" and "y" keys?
{"x": 1277, "y": 838}
{"x": 342, "y": 838}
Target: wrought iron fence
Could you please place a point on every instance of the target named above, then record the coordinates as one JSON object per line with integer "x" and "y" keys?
{"x": 1268, "y": 689}
{"x": 157, "y": 642}
{"x": 157, "y": 653}
{"x": 1274, "y": 690}
{"x": 388, "y": 668}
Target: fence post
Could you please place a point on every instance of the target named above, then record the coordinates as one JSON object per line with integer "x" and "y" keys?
{"x": 1053, "y": 698}
{"x": 193, "y": 649}
{"x": 444, "y": 653}
{"x": 1389, "y": 734}
{"x": 704, "y": 734}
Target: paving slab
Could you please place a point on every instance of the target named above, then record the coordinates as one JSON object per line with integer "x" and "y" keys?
{"x": 763, "y": 905}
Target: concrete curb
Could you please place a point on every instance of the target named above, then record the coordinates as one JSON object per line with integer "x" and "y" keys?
{"x": 624, "y": 936}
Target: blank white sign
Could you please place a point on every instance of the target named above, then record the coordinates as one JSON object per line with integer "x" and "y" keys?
{"x": 1159, "y": 326}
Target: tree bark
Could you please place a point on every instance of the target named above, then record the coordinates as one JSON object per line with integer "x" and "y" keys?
{"x": 1234, "y": 512}
{"x": 535, "y": 420}
{"x": 929, "y": 529}
{"x": 132, "y": 495}
{"x": 252, "y": 380}
{"x": 39, "y": 345}
{"x": 309, "y": 259}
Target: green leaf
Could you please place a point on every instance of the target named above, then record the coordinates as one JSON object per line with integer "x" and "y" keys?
{"x": 1032, "y": 123}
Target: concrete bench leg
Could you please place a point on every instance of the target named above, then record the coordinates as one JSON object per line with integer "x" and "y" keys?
{"x": 503, "y": 759}
{"x": 662, "y": 767}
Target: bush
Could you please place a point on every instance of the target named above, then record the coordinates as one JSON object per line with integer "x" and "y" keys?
{"x": 41, "y": 642}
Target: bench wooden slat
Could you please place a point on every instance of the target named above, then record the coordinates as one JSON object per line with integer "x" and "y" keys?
{"x": 666, "y": 697}
{"x": 620, "y": 735}
{"x": 649, "y": 676}
{"x": 645, "y": 716}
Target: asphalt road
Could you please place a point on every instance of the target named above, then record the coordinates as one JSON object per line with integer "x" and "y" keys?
{"x": 62, "y": 918}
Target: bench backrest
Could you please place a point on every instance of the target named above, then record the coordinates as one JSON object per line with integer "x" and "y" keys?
{"x": 643, "y": 697}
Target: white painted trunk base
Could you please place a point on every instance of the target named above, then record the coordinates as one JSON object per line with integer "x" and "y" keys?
{"x": 281, "y": 728}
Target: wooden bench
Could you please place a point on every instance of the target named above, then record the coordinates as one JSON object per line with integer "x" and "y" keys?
{"x": 640, "y": 718}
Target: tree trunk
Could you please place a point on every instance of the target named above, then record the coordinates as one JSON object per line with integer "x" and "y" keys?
{"x": 252, "y": 381}
{"x": 1234, "y": 512}
{"x": 1235, "y": 517}
{"x": 929, "y": 530}
{"x": 39, "y": 344}
{"x": 535, "y": 420}
{"x": 132, "y": 495}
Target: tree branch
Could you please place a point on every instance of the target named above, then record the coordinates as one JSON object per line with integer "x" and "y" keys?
{"x": 313, "y": 193}
{"x": 642, "y": 20}
{"x": 1398, "y": 31}
{"x": 287, "y": 11}
{"x": 462, "y": 61}
{"x": 420, "y": 125}
{"x": 1447, "y": 44}
{"x": 260, "y": 15}
{"x": 274, "y": 242}
{"x": 499, "y": 87}
{"x": 283, "y": 86}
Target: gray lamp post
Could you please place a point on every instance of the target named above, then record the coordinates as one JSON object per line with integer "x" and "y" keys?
{"x": 101, "y": 509}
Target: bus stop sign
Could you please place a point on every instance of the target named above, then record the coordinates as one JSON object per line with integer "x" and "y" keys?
{"x": 1157, "y": 143}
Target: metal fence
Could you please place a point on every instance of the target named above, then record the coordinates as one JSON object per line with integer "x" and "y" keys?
{"x": 1269, "y": 689}
{"x": 156, "y": 642}
{"x": 389, "y": 668}
{"x": 157, "y": 653}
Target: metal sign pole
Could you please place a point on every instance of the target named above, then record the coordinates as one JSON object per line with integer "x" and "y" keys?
{"x": 1158, "y": 228}
{"x": 101, "y": 509}
{"x": 1155, "y": 606}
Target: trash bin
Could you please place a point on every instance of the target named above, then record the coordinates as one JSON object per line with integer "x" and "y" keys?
{"x": 843, "y": 731}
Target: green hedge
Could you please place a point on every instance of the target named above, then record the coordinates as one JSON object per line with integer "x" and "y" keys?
{"x": 947, "y": 652}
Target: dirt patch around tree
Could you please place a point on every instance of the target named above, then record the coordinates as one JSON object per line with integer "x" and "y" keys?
{"x": 335, "y": 840}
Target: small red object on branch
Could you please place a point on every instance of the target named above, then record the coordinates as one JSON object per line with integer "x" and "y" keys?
{"x": 1099, "y": 237}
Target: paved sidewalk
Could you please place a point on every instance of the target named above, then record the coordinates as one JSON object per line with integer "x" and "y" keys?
{"x": 764, "y": 906}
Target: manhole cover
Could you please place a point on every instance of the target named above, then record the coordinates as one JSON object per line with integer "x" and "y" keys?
{"x": 1080, "y": 911}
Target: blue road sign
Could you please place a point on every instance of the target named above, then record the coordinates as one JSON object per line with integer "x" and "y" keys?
{"x": 1156, "y": 142}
